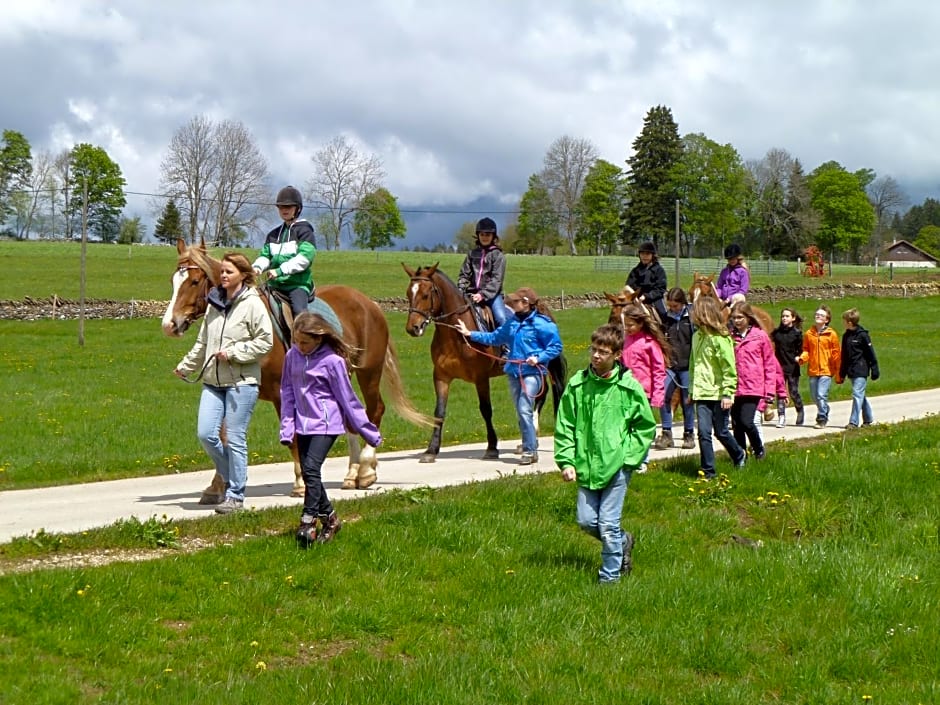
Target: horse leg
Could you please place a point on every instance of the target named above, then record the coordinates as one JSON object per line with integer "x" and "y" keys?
{"x": 215, "y": 492}
{"x": 486, "y": 411}
{"x": 352, "y": 469}
{"x": 442, "y": 389}
{"x": 367, "y": 465}
{"x": 299, "y": 487}
{"x": 363, "y": 462}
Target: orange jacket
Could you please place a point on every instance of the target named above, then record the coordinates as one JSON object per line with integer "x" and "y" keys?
{"x": 822, "y": 352}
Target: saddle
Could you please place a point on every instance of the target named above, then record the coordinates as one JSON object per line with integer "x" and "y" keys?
{"x": 483, "y": 315}
{"x": 283, "y": 318}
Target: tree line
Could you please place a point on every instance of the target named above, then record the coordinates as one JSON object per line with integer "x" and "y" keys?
{"x": 215, "y": 186}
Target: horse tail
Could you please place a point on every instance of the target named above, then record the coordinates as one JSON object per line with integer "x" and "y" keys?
{"x": 558, "y": 375}
{"x": 396, "y": 391}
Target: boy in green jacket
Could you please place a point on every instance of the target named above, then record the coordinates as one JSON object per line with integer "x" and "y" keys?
{"x": 604, "y": 430}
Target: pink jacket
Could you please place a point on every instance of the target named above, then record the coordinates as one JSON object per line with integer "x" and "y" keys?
{"x": 644, "y": 358}
{"x": 755, "y": 363}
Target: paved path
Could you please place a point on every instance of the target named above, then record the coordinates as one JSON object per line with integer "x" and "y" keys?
{"x": 74, "y": 508}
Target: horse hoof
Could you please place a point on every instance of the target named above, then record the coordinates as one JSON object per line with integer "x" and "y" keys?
{"x": 211, "y": 498}
{"x": 349, "y": 483}
{"x": 366, "y": 480}
{"x": 427, "y": 458}
{"x": 491, "y": 454}
{"x": 298, "y": 491}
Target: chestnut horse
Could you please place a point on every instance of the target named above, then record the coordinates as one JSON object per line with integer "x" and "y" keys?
{"x": 434, "y": 298}
{"x": 364, "y": 328}
{"x": 704, "y": 286}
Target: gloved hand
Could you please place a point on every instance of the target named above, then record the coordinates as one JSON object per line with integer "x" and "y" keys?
{"x": 875, "y": 373}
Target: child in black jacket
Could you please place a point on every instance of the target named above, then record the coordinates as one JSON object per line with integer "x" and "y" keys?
{"x": 858, "y": 361}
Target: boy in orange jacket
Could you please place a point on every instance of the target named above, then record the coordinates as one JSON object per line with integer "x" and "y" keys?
{"x": 822, "y": 354}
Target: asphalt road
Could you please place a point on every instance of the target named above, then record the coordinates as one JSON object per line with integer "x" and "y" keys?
{"x": 75, "y": 508}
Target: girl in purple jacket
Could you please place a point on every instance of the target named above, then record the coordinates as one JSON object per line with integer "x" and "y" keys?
{"x": 318, "y": 404}
{"x": 756, "y": 365}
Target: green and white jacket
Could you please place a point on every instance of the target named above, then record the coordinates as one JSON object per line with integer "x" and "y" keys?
{"x": 289, "y": 251}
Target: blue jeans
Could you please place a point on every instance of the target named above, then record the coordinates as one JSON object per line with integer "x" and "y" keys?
{"x": 860, "y": 402}
{"x": 680, "y": 379}
{"x": 713, "y": 419}
{"x": 234, "y": 406}
{"x": 499, "y": 310}
{"x": 523, "y": 396}
{"x": 599, "y": 513}
{"x": 819, "y": 390}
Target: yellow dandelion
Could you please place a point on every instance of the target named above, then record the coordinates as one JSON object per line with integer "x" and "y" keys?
{"x": 760, "y": 499}
{"x": 168, "y": 670}
{"x": 510, "y": 571}
{"x": 289, "y": 580}
{"x": 261, "y": 666}
{"x": 254, "y": 644}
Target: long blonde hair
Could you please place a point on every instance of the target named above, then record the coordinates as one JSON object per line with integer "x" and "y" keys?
{"x": 706, "y": 316}
{"x": 309, "y": 323}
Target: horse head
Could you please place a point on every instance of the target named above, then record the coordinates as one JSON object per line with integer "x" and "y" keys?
{"x": 425, "y": 299}
{"x": 195, "y": 273}
{"x": 701, "y": 286}
{"x": 618, "y": 302}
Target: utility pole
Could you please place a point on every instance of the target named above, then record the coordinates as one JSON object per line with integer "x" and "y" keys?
{"x": 677, "y": 243}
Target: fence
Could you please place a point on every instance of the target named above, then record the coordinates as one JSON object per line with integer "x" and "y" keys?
{"x": 691, "y": 265}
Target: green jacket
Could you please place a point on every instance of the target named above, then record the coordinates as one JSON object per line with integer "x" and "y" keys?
{"x": 603, "y": 425}
{"x": 289, "y": 251}
{"x": 712, "y": 371}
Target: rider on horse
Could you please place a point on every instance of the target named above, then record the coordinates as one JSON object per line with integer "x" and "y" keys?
{"x": 648, "y": 279}
{"x": 482, "y": 273}
{"x": 735, "y": 279}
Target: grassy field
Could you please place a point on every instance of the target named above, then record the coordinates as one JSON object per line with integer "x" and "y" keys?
{"x": 808, "y": 583}
{"x": 114, "y": 409}
{"x": 124, "y": 273}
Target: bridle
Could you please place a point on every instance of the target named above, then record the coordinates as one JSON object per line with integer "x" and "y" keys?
{"x": 204, "y": 284}
{"x": 428, "y": 315}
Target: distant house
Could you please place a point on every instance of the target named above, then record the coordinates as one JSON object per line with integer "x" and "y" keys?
{"x": 901, "y": 253}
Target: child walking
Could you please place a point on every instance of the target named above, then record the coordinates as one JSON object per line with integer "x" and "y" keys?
{"x": 858, "y": 361}
{"x": 645, "y": 350}
{"x": 714, "y": 381}
{"x": 756, "y": 367}
{"x": 482, "y": 273}
{"x": 288, "y": 252}
{"x": 677, "y": 325}
{"x": 603, "y": 431}
{"x": 822, "y": 356}
{"x": 788, "y": 346}
{"x": 318, "y": 404}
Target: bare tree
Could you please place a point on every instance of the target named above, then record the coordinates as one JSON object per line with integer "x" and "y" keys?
{"x": 240, "y": 183}
{"x": 886, "y": 198}
{"x": 342, "y": 177}
{"x": 41, "y": 185}
{"x": 188, "y": 171}
{"x": 565, "y": 167}
{"x": 61, "y": 168}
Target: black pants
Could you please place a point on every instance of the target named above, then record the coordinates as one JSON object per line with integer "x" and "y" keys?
{"x": 793, "y": 389}
{"x": 313, "y": 451}
{"x": 742, "y": 419}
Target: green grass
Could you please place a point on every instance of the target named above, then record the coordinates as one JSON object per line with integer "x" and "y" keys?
{"x": 486, "y": 594}
{"x": 114, "y": 409}
{"x": 125, "y": 273}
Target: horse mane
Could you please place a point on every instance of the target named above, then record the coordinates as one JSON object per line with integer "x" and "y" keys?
{"x": 423, "y": 272}
{"x": 200, "y": 258}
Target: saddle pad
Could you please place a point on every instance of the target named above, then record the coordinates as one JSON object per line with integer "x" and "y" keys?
{"x": 321, "y": 307}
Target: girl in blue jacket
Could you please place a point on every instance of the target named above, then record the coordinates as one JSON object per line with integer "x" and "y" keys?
{"x": 533, "y": 341}
{"x": 318, "y": 404}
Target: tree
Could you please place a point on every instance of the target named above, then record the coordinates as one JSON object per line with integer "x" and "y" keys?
{"x": 131, "y": 230}
{"x": 465, "y": 238}
{"x": 97, "y": 190}
{"x": 169, "y": 228}
{"x": 41, "y": 187}
{"x": 218, "y": 177}
{"x": 600, "y": 207}
{"x": 711, "y": 181}
{"x": 780, "y": 215}
{"x": 15, "y": 169}
{"x": 377, "y": 221}
{"x": 928, "y": 239}
{"x": 565, "y": 167}
{"x": 651, "y": 179}
{"x": 886, "y": 198}
{"x": 911, "y": 223}
{"x": 847, "y": 217}
{"x": 342, "y": 177}
{"x": 538, "y": 230}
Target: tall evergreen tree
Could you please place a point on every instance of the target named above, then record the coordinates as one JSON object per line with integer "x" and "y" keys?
{"x": 169, "y": 227}
{"x": 651, "y": 180}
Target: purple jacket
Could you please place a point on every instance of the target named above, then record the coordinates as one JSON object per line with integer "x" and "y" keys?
{"x": 755, "y": 363}
{"x": 317, "y": 398}
{"x": 733, "y": 280}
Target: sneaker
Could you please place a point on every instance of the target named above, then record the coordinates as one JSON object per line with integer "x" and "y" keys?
{"x": 761, "y": 454}
{"x": 306, "y": 534}
{"x": 329, "y": 527}
{"x": 626, "y": 565}
{"x": 528, "y": 458}
{"x": 781, "y": 422}
{"x": 820, "y": 424}
{"x": 230, "y": 505}
{"x": 742, "y": 462}
{"x": 851, "y": 426}
{"x": 868, "y": 423}
{"x": 643, "y": 468}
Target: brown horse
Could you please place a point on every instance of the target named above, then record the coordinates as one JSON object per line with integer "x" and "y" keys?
{"x": 364, "y": 328}
{"x": 704, "y": 286}
{"x": 434, "y": 298}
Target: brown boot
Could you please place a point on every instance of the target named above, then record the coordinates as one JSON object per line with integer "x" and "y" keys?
{"x": 664, "y": 442}
{"x": 688, "y": 440}
{"x": 329, "y": 527}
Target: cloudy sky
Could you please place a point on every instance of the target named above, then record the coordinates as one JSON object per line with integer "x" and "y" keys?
{"x": 461, "y": 99}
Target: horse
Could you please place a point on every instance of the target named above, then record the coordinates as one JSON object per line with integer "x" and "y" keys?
{"x": 364, "y": 328}
{"x": 434, "y": 298}
{"x": 703, "y": 286}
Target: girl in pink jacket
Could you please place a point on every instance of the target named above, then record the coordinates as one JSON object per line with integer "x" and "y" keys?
{"x": 756, "y": 366}
{"x": 645, "y": 351}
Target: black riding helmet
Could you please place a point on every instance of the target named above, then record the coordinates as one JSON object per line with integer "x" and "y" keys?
{"x": 647, "y": 247}
{"x": 289, "y": 196}
{"x": 487, "y": 225}
{"x": 733, "y": 250}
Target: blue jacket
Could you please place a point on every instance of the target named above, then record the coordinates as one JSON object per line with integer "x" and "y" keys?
{"x": 317, "y": 398}
{"x": 536, "y": 335}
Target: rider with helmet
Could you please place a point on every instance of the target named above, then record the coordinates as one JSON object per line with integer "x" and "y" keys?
{"x": 648, "y": 279}
{"x": 482, "y": 273}
{"x": 734, "y": 281}
{"x": 288, "y": 252}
